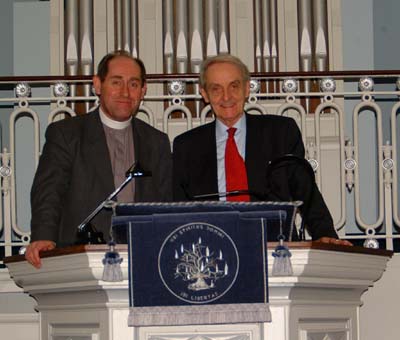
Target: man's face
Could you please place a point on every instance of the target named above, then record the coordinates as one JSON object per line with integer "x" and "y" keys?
{"x": 226, "y": 91}
{"x": 121, "y": 91}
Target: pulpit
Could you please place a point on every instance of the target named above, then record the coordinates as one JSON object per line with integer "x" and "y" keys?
{"x": 320, "y": 300}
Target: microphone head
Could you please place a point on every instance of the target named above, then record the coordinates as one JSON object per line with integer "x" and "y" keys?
{"x": 137, "y": 171}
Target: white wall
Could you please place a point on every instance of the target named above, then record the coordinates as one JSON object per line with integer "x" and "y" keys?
{"x": 25, "y": 51}
{"x": 358, "y": 54}
{"x": 6, "y": 62}
{"x": 379, "y": 314}
{"x": 31, "y": 58}
{"x": 18, "y": 319}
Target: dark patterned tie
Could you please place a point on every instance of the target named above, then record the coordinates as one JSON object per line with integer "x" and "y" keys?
{"x": 235, "y": 169}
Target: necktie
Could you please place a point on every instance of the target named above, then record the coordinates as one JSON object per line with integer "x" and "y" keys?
{"x": 235, "y": 169}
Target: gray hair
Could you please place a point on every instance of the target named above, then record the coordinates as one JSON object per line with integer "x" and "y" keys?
{"x": 222, "y": 58}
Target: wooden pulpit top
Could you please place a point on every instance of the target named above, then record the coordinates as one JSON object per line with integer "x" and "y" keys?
{"x": 271, "y": 245}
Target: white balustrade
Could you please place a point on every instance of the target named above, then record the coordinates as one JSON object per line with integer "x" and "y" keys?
{"x": 332, "y": 152}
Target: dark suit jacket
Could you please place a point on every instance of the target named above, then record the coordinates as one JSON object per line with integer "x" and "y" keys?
{"x": 74, "y": 175}
{"x": 268, "y": 137}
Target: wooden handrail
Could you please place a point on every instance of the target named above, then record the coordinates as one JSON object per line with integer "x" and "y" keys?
{"x": 353, "y": 74}
{"x": 123, "y": 247}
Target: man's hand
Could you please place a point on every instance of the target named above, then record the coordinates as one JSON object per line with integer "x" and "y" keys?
{"x": 32, "y": 254}
{"x": 334, "y": 241}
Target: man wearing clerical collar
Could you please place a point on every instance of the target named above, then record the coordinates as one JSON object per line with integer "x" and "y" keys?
{"x": 86, "y": 157}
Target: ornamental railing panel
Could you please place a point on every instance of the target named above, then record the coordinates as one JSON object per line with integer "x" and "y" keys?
{"x": 348, "y": 121}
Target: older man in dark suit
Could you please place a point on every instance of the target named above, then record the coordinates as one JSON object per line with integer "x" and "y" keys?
{"x": 232, "y": 152}
{"x": 85, "y": 158}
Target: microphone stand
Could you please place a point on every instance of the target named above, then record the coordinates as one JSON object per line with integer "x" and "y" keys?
{"x": 87, "y": 233}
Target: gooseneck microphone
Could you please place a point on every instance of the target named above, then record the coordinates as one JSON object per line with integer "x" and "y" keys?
{"x": 259, "y": 196}
{"x": 281, "y": 162}
{"x": 86, "y": 231}
{"x": 290, "y": 158}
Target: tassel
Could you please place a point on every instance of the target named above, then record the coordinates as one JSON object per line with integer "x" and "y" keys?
{"x": 282, "y": 265}
{"x": 112, "y": 265}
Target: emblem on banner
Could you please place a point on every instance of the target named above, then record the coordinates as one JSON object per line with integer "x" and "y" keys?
{"x": 198, "y": 262}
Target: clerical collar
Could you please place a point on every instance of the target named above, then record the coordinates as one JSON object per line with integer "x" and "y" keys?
{"x": 113, "y": 124}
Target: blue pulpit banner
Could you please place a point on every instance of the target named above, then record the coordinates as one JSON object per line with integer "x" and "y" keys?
{"x": 203, "y": 262}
